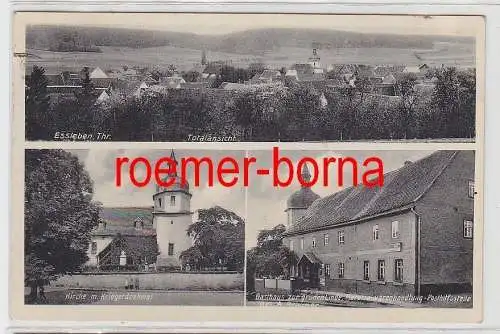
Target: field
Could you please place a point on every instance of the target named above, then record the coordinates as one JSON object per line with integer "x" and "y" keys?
{"x": 184, "y": 59}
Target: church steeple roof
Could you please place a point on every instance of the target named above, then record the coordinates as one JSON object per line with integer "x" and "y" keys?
{"x": 172, "y": 157}
{"x": 178, "y": 184}
{"x": 304, "y": 197}
{"x": 306, "y": 175}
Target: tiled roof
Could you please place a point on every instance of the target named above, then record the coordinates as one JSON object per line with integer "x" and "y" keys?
{"x": 302, "y": 198}
{"x": 310, "y": 257}
{"x": 401, "y": 188}
{"x": 121, "y": 220}
{"x": 137, "y": 248}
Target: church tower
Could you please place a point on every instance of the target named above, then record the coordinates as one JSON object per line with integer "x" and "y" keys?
{"x": 171, "y": 218}
{"x": 314, "y": 61}
{"x": 300, "y": 200}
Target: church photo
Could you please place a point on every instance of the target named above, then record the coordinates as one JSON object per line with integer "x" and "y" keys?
{"x": 90, "y": 241}
{"x": 407, "y": 243}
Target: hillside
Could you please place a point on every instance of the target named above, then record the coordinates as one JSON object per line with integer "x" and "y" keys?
{"x": 64, "y": 38}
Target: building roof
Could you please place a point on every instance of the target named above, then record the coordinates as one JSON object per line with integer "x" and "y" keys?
{"x": 121, "y": 220}
{"x": 97, "y": 73}
{"x": 178, "y": 185}
{"x": 402, "y": 188}
{"x": 303, "y": 198}
{"x": 138, "y": 249}
{"x": 54, "y": 79}
{"x": 103, "y": 97}
{"x": 102, "y": 82}
{"x": 310, "y": 257}
{"x": 172, "y": 82}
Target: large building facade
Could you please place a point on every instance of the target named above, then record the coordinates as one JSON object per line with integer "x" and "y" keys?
{"x": 413, "y": 236}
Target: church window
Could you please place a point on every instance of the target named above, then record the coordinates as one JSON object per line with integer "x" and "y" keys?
{"x": 326, "y": 240}
{"x": 313, "y": 242}
{"x": 302, "y": 243}
{"x": 172, "y": 200}
{"x": 93, "y": 248}
{"x": 170, "y": 249}
{"x": 159, "y": 202}
{"x": 171, "y": 222}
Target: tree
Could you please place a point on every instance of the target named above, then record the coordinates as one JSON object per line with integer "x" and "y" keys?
{"x": 270, "y": 258}
{"x": 87, "y": 86}
{"x": 405, "y": 88}
{"x": 59, "y": 215}
{"x": 300, "y": 107}
{"x": 219, "y": 237}
{"x": 247, "y": 113}
{"x": 454, "y": 99}
{"x": 352, "y": 99}
{"x": 255, "y": 68}
{"x": 37, "y": 105}
{"x": 171, "y": 69}
{"x": 191, "y": 76}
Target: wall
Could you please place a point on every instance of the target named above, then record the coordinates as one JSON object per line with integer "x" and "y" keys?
{"x": 171, "y": 223}
{"x": 358, "y": 247}
{"x": 156, "y": 281}
{"x": 182, "y": 202}
{"x": 172, "y": 229}
{"x": 102, "y": 242}
{"x": 294, "y": 214}
{"x": 446, "y": 256}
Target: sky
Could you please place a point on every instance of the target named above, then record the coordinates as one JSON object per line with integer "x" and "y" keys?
{"x": 266, "y": 204}
{"x": 100, "y": 164}
{"x": 215, "y": 24}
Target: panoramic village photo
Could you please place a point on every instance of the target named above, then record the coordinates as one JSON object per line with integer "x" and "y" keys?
{"x": 252, "y": 78}
{"x": 406, "y": 244}
{"x": 89, "y": 240}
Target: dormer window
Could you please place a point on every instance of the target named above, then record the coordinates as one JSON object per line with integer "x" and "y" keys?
{"x": 139, "y": 224}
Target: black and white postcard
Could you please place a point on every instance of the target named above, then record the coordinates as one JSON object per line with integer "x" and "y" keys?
{"x": 400, "y": 238}
{"x": 93, "y": 236}
{"x": 206, "y": 167}
{"x": 253, "y": 78}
